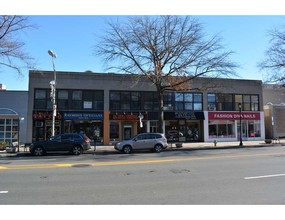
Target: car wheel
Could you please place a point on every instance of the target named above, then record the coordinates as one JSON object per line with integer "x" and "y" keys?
{"x": 76, "y": 150}
{"x": 38, "y": 151}
{"x": 157, "y": 148}
{"x": 127, "y": 149}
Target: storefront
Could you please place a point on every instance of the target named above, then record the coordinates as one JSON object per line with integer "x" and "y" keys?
{"x": 226, "y": 126}
{"x": 89, "y": 123}
{"x": 9, "y": 126}
{"x": 184, "y": 126}
{"x": 124, "y": 126}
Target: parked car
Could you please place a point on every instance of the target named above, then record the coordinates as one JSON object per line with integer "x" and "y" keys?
{"x": 72, "y": 143}
{"x": 154, "y": 141}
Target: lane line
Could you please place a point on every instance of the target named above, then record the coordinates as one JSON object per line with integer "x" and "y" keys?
{"x": 132, "y": 162}
{"x": 265, "y": 176}
{"x": 2, "y": 192}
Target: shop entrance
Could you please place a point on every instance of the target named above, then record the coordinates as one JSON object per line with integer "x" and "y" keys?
{"x": 184, "y": 130}
{"x": 89, "y": 128}
{"x": 128, "y": 132}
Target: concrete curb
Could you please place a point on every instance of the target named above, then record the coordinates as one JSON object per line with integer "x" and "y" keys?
{"x": 186, "y": 147}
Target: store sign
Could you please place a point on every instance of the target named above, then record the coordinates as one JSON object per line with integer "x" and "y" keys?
{"x": 83, "y": 116}
{"x": 126, "y": 116}
{"x": 187, "y": 115}
{"x": 233, "y": 115}
{"x": 46, "y": 116}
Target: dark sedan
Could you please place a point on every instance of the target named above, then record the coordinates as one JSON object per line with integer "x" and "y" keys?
{"x": 72, "y": 143}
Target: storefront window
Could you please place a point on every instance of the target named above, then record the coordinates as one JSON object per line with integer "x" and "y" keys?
{"x": 222, "y": 129}
{"x": 114, "y": 130}
{"x": 153, "y": 126}
{"x": 9, "y": 130}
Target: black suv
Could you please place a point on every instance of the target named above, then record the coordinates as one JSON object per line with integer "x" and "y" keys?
{"x": 73, "y": 143}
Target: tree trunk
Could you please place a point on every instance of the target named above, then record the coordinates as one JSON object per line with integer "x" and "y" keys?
{"x": 160, "y": 111}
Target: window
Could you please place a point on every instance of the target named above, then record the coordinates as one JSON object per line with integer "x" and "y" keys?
{"x": 224, "y": 102}
{"x": 222, "y": 129}
{"x": 62, "y": 99}
{"x": 188, "y": 101}
{"x": 40, "y": 99}
{"x": 98, "y": 100}
{"x": 125, "y": 101}
{"x": 76, "y": 100}
{"x": 153, "y": 126}
{"x": 249, "y": 102}
{"x": 133, "y": 101}
{"x": 238, "y": 99}
{"x": 9, "y": 130}
{"x": 167, "y": 101}
{"x": 228, "y": 102}
{"x": 212, "y": 102}
{"x": 254, "y": 103}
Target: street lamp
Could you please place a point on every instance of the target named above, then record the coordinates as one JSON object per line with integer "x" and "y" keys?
{"x": 52, "y": 93}
{"x": 240, "y": 127}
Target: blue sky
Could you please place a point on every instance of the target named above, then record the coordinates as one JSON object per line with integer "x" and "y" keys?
{"x": 72, "y": 38}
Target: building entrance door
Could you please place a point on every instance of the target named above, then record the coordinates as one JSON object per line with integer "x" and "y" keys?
{"x": 127, "y": 132}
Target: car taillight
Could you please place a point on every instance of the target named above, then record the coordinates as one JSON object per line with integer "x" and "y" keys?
{"x": 86, "y": 140}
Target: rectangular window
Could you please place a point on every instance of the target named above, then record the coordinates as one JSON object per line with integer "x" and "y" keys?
{"x": 238, "y": 99}
{"x": 76, "y": 100}
{"x": 40, "y": 101}
{"x": 188, "y": 101}
{"x": 249, "y": 102}
{"x": 211, "y": 102}
{"x": 62, "y": 99}
{"x": 222, "y": 129}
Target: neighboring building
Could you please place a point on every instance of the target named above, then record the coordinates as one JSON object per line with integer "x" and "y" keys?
{"x": 13, "y": 116}
{"x": 274, "y": 111}
{"x": 109, "y": 105}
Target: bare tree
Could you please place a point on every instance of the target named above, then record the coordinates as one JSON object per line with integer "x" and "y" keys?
{"x": 170, "y": 51}
{"x": 274, "y": 63}
{"x": 12, "y": 53}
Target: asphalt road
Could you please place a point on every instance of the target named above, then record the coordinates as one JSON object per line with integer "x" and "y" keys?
{"x": 206, "y": 177}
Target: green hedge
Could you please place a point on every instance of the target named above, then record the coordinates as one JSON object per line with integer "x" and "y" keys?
{"x": 3, "y": 145}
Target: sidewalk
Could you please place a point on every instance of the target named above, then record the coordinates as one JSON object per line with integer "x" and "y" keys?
{"x": 185, "y": 146}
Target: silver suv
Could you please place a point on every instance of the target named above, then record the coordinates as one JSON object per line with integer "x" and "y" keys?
{"x": 154, "y": 141}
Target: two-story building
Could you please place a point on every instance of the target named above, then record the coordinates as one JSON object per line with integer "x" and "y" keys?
{"x": 111, "y": 105}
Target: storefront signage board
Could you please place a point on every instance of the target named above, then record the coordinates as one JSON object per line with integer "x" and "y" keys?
{"x": 233, "y": 115}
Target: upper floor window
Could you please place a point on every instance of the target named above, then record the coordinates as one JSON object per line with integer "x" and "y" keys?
{"x": 230, "y": 102}
{"x": 70, "y": 99}
{"x": 133, "y": 100}
{"x": 40, "y": 99}
{"x": 188, "y": 101}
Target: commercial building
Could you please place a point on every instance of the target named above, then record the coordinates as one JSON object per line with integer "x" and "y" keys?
{"x": 111, "y": 106}
{"x": 13, "y": 116}
{"x": 274, "y": 111}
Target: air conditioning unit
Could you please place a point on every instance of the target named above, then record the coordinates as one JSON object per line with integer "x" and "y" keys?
{"x": 212, "y": 108}
{"x": 167, "y": 108}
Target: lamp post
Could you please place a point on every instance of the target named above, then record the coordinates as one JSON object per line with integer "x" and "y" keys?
{"x": 240, "y": 127}
{"x": 52, "y": 93}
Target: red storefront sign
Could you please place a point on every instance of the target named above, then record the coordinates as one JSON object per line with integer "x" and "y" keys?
{"x": 233, "y": 116}
{"x": 46, "y": 116}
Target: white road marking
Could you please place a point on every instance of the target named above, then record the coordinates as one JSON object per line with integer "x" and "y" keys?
{"x": 265, "y": 176}
{"x": 3, "y": 191}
